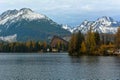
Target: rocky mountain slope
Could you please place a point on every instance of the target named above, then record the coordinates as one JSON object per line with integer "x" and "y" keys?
{"x": 102, "y": 25}
{"x": 25, "y": 24}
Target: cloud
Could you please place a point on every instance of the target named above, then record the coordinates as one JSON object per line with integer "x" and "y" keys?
{"x": 62, "y": 5}
{"x": 64, "y": 8}
{"x": 87, "y": 8}
{"x": 3, "y": 1}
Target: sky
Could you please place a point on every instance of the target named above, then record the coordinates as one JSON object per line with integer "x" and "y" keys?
{"x": 71, "y": 12}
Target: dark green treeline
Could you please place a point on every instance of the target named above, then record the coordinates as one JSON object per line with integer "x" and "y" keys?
{"x": 29, "y": 46}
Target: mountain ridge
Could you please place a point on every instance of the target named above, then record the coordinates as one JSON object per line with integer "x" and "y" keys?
{"x": 25, "y": 24}
{"x": 102, "y": 25}
{"x": 29, "y": 25}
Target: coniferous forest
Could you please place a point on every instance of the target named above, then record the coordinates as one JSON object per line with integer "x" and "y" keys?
{"x": 93, "y": 43}
{"x": 30, "y": 46}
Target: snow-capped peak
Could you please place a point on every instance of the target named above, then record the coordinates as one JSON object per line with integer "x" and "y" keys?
{"x": 16, "y": 15}
{"x": 25, "y": 10}
{"x": 102, "y": 25}
{"x": 105, "y": 19}
{"x": 29, "y": 14}
{"x": 8, "y": 13}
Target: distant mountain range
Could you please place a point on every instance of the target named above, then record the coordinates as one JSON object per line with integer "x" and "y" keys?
{"x": 25, "y": 24}
{"x": 101, "y": 25}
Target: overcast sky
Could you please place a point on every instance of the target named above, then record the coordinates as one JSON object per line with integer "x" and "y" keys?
{"x": 71, "y": 12}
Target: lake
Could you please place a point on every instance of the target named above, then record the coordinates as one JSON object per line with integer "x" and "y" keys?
{"x": 57, "y": 66}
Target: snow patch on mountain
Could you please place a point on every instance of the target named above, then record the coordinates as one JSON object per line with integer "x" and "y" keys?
{"x": 15, "y": 15}
{"x": 11, "y": 38}
{"x": 102, "y": 25}
{"x": 28, "y": 14}
{"x": 68, "y": 28}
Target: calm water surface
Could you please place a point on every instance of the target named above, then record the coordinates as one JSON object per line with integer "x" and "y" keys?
{"x": 53, "y": 66}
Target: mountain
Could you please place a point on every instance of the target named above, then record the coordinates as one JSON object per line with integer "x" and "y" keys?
{"x": 25, "y": 24}
{"x": 102, "y": 25}
{"x": 68, "y": 28}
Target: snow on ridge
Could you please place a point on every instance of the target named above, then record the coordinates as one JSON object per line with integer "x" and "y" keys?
{"x": 102, "y": 25}
{"x": 21, "y": 14}
{"x": 33, "y": 15}
{"x": 10, "y": 38}
{"x": 68, "y": 28}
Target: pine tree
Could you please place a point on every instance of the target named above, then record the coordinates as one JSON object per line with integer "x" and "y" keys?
{"x": 90, "y": 42}
{"x": 97, "y": 38}
{"x": 117, "y": 39}
{"x": 72, "y": 45}
{"x": 83, "y": 48}
{"x": 75, "y": 44}
{"x": 29, "y": 46}
{"x": 79, "y": 38}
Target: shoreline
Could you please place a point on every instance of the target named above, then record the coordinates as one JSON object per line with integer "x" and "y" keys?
{"x": 56, "y": 53}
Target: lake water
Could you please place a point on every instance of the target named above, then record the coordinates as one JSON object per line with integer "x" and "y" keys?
{"x": 57, "y": 66}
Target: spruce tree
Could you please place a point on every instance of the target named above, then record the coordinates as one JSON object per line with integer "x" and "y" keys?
{"x": 90, "y": 42}
{"x": 117, "y": 39}
{"x": 97, "y": 38}
{"x": 71, "y": 48}
{"x": 75, "y": 44}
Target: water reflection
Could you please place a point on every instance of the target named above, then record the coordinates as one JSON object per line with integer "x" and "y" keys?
{"x": 57, "y": 66}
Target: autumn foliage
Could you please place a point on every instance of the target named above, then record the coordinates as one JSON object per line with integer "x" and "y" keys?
{"x": 93, "y": 43}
